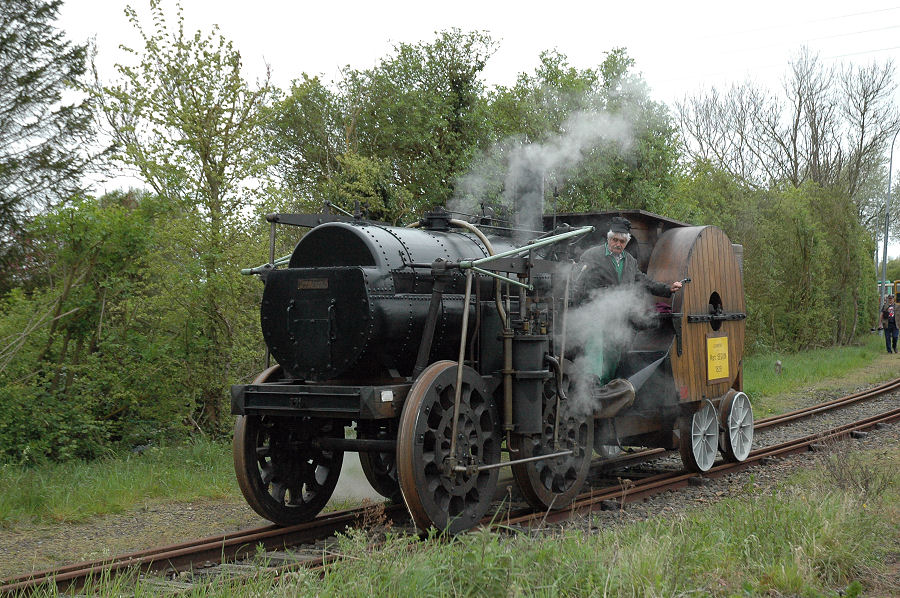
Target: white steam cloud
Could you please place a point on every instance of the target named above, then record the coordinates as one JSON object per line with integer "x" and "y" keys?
{"x": 598, "y": 332}
{"x": 523, "y": 167}
{"x": 516, "y": 172}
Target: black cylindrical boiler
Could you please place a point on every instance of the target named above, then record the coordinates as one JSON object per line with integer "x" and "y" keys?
{"x": 351, "y": 306}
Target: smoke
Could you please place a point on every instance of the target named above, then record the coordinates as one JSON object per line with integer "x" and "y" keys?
{"x": 598, "y": 332}
{"x": 523, "y": 167}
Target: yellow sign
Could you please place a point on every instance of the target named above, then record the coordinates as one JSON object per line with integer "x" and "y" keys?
{"x": 716, "y": 358}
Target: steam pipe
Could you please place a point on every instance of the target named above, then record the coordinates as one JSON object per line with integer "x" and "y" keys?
{"x": 508, "y": 370}
{"x": 535, "y": 245}
{"x": 507, "y": 333}
{"x": 490, "y": 249}
{"x": 557, "y": 367}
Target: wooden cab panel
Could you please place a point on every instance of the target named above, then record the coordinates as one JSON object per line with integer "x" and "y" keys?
{"x": 712, "y": 309}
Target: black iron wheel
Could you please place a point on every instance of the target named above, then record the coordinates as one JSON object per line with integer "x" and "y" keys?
{"x": 436, "y": 495}
{"x": 380, "y": 469}
{"x": 554, "y": 483}
{"x": 283, "y": 476}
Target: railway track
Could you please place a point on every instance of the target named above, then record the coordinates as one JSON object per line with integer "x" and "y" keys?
{"x": 278, "y": 541}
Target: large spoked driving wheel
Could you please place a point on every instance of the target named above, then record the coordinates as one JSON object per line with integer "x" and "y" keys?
{"x": 736, "y": 416}
{"x": 554, "y": 483}
{"x": 436, "y": 494}
{"x": 699, "y": 438}
{"x": 380, "y": 469}
{"x": 283, "y": 476}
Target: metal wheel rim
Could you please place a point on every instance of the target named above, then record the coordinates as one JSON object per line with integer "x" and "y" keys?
{"x": 704, "y": 436}
{"x": 451, "y": 502}
{"x": 554, "y": 483}
{"x": 739, "y": 427}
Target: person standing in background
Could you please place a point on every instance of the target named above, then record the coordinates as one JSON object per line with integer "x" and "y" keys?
{"x": 889, "y": 323}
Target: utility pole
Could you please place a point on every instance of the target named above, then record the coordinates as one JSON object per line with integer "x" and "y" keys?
{"x": 887, "y": 220}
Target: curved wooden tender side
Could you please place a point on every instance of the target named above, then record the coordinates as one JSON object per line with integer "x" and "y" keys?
{"x": 705, "y": 255}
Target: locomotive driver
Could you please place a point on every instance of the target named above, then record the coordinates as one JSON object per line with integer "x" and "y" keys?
{"x": 609, "y": 265}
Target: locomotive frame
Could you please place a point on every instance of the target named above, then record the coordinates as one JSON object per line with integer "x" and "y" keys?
{"x": 450, "y": 353}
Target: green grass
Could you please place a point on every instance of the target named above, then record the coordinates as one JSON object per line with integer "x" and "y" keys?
{"x": 71, "y": 492}
{"x": 770, "y": 391}
{"x": 826, "y": 531}
{"x": 804, "y": 541}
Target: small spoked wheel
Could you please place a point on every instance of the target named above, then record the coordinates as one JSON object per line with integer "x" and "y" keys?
{"x": 736, "y": 417}
{"x": 380, "y": 469}
{"x": 699, "y": 438}
{"x": 437, "y": 492}
{"x": 283, "y": 476}
{"x": 554, "y": 483}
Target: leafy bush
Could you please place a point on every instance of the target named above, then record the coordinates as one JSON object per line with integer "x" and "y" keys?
{"x": 36, "y": 426}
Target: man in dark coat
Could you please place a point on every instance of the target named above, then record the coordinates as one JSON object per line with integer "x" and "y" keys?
{"x": 889, "y": 322}
{"x": 609, "y": 265}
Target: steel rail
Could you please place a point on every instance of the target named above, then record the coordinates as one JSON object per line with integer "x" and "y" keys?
{"x": 594, "y": 499}
{"x": 177, "y": 556}
{"x": 244, "y": 542}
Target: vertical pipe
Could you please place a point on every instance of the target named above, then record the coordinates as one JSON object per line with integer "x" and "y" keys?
{"x": 271, "y": 263}
{"x": 434, "y": 308}
{"x": 272, "y": 243}
{"x": 887, "y": 220}
{"x": 562, "y": 359}
{"x": 457, "y": 397}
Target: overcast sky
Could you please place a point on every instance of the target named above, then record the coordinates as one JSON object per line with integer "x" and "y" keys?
{"x": 680, "y": 48}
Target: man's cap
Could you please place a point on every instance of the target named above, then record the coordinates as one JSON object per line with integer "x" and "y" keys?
{"x": 620, "y": 225}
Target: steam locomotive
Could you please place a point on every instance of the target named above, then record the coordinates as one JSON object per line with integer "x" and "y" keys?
{"x": 440, "y": 353}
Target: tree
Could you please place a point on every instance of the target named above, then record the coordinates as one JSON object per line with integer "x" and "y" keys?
{"x": 824, "y": 137}
{"x": 44, "y": 127}
{"x": 306, "y": 132}
{"x": 593, "y": 136}
{"x": 415, "y": 121}
{"x": 74, "y": 339}
{"x": 188, "y": 121}
{"x": 893, "y": 269}
{"x": 830, "y": 127}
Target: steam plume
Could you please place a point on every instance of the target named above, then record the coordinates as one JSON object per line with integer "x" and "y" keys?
{"x": 522, "y": 167}
{"x": 598, "y": 332}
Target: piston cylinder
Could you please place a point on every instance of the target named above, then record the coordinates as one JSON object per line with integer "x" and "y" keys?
{"x": 529, "y": 378}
